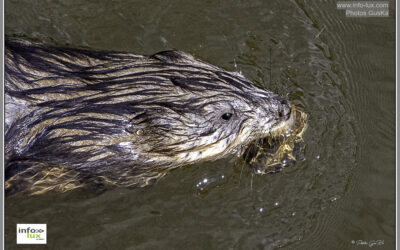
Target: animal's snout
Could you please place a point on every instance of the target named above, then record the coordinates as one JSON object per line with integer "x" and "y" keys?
{"x": 284, "y": 110}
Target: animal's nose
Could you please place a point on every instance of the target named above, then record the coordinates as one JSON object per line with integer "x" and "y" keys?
{"x": 284, "y": 110}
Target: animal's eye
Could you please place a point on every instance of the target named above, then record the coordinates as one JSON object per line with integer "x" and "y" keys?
{"x": 226, "y": 116}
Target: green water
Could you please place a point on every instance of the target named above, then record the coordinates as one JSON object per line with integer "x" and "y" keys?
{"x": 339, "y": 70}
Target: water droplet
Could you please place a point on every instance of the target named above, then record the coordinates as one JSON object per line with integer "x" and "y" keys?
{"x": 335, "y": 198}
{"x": 317, "y": 156}
{"x": 139, "y": 132}
{"x": 261, "y": 209}
{"x": 276, "y": 204}
{"x": 294, "y": 213}
{"x": 205, "y": 180}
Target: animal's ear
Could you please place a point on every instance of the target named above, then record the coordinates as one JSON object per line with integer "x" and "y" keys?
{"x": 173, "y": 56}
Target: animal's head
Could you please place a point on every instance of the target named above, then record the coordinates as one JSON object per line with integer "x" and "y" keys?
{"x": 198, "y": 111}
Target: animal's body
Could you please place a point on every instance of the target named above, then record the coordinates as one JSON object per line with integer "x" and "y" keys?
{"x": 76, "y": 116}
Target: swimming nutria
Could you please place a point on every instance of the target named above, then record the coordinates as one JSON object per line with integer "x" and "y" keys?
{"x": 74, "y": 117}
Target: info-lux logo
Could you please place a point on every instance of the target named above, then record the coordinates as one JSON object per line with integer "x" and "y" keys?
{"x": 31, "y": 233}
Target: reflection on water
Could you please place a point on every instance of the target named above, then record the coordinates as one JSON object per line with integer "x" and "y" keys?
{"x": 338, "y": 70}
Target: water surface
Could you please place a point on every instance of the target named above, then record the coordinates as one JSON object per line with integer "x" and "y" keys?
{"x": 339, "y": 70}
